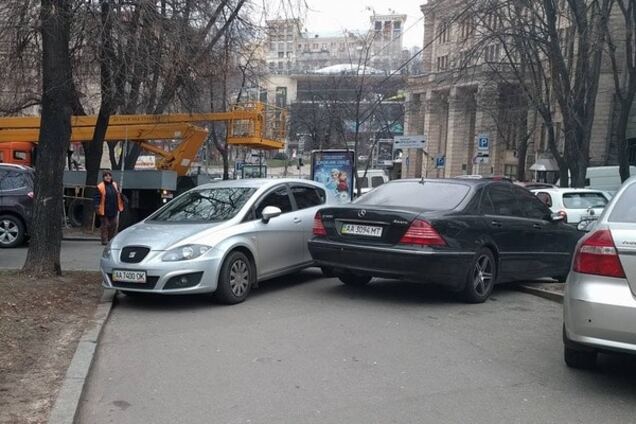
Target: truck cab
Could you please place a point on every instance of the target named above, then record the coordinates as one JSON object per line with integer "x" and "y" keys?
{"x": 18, "y": 153}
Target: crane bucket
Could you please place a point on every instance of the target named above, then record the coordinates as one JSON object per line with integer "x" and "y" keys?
{"x": 265, "y": 131}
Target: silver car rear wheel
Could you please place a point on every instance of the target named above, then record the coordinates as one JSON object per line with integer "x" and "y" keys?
{"x": 235, "y": 279}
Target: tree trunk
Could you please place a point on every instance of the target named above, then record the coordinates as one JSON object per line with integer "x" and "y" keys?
{"x": 43, "y": 257}
{"x": 621, "y": 140}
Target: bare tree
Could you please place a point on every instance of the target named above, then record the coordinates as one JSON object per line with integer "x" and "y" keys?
{"x": 43, "y": 257}
{"x": 621, "y": 41}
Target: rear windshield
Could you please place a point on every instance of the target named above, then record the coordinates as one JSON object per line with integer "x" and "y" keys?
{"x": 584, "y": 200}
{"x": 625, "y": 208}
{"x": 427, "y": 195}
{"x": 211, "y": 205}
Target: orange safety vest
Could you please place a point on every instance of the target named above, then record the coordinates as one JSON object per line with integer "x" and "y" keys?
{"x": 101, "y": 210}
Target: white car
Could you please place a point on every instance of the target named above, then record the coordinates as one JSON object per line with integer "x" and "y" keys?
{"x": 573, "y": 203}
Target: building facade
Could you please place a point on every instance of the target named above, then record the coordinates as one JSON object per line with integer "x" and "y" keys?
{"x": 457, "y": 103}
{"x": 290, "y": 49}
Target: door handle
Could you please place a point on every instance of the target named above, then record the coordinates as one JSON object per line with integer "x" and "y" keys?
{"x": 495, "y": 223}
{"x": 297, "y": 220}
{"x": 537, "y": 226}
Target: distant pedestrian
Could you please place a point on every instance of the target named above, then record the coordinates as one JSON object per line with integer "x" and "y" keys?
{"x": 109, "y": 203}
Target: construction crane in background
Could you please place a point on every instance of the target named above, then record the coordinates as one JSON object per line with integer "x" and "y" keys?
{"x": 254, "y": 125}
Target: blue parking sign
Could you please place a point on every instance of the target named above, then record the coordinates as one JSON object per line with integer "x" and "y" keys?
{"x": 483, "y": 142}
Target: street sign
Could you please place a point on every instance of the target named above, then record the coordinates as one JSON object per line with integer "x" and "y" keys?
{"x": 440, "y": 161}
{"x": 409, "y": 142}
{"x": 483, "y": 143}
{"x": 481, "y": 158}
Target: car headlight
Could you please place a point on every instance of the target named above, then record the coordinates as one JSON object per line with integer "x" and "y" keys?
{"x": 106, "y": 252}
{"x": 184, "y": 253}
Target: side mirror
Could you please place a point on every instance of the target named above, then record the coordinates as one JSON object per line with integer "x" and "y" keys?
{"x": 557, "y": 217}
{"x": 270, "y": 212}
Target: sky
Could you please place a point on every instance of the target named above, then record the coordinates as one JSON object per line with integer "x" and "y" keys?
{"x": 333, "y": 16}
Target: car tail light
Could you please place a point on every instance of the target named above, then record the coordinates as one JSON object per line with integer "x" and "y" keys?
{"x": 30, "y": 194}
{"x": 597, "y": 255}
{"x": 421, "y": 233}
{"x": 319, "y": 229}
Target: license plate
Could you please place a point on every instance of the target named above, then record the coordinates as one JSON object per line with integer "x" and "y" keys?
{"x": 121, "y": 276}
{"x": 361, "y": 230}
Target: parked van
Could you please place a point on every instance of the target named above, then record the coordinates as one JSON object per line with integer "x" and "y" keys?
{"x": 605, "y": 178}
{"x": 373, "y": 179}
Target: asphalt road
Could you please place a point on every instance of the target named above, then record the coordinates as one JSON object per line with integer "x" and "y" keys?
{"x": 76, "y": 256}
{"x": 310, "y": 350}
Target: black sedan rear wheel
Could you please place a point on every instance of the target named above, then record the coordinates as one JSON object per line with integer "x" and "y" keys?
{"x": 481, "y": 277}
{"x": 357, "y": 280}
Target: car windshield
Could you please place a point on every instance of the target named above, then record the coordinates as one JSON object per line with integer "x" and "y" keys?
{"x": 584, "y": 200}
{"x": 422, "y": 195}
{"x": 625, "y": 208}
{"x": 208, "y": 205}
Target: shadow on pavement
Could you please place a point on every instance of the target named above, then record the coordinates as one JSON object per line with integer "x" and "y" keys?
{"x": 150, "y": 301}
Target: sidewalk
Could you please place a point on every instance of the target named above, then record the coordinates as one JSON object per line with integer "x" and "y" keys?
{"x": 78, "y": 234}
{"x": 551, "y": 291}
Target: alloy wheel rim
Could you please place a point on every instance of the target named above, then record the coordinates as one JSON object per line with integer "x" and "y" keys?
{"x": 239, "y": 277}
{"x": 8, "y": 232}
{"x": 482, "y": 275}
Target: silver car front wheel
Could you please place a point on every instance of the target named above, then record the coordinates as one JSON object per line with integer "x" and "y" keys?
{"x": 235, "y": 279}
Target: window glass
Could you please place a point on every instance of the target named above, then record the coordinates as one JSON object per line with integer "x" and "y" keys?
{"x": 584, "y": 200}
{"x": 278, "y": 198}
{"x": 530, "y": 206}
{"x": 14, "y": 180}
{"x": 376, "y": 181}
{"x": 20, "y": 155}
{"x": 364, "y": 182}
{"x": 503, "y": 201}
{"x": 428, "y": 195}
{"x": 307, "y": 197}
{"x": 625, "y": 208}
{"x": 545, "y": 198}
{"x": 210, "y": 205}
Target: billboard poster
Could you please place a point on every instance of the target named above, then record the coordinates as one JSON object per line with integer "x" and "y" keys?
{"x": 385, "y": 152}
{"x": 334, "y": 169}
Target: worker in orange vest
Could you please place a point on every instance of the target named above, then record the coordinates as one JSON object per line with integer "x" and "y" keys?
{"x": 109, "y": 203}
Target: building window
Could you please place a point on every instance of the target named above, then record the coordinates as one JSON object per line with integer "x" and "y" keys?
{"x": 492, "y": 22}
{"x": 510, "y": 171}
{"x": 443, "y": 32}
{"x": 281, "y": 47}
{"x": 378, "y": 26}
{"x": 466, "y": 28}
{"x": 491, "y": 53}
{"x": 442, "y": 63}
{"x": 281, "y": 54}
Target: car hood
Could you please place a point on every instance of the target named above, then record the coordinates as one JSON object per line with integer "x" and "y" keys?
{"x": 162, "y": 236}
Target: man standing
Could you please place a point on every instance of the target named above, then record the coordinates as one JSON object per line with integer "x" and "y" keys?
{"x": 108, "y": 204}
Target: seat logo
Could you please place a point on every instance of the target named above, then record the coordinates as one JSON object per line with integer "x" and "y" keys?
{"x": 361, "y": 213}
{"x": 131, "y": 255}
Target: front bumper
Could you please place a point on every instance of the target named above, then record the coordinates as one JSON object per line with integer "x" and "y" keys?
{"x": 158, "y": 273}
{"x": 599, "y": 313}
{"x": 419, "y": 265}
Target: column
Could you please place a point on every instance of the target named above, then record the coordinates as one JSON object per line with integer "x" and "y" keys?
{"x": 458, "y": 127}
{"x": 487, "y": 100}
{"x": 434, "y": 117}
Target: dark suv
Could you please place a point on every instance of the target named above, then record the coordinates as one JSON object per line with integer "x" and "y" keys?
{"x": 16, "y": 203}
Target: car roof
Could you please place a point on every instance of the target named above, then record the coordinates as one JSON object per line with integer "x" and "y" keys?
{"x": 14, "y": 166}
{"x": 473, "y": 182}
{"x": 257, "y": 182}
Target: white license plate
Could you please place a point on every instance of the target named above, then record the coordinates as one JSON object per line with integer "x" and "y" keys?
{"x": 361, "y": 230}
{"x": 121, "y": 276}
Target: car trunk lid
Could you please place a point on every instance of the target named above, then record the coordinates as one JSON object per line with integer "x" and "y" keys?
{"x": 624, "y": 236}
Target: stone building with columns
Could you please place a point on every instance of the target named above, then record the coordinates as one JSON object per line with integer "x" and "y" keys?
{"x": 453, "y": 105}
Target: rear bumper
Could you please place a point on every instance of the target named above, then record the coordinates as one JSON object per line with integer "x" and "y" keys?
{"x": 599, "y": 313}
{"x": 418, "y": 265}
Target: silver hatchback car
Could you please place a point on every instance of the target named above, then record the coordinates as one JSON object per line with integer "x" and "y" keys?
{"x": 221, "y": 237}
{"x": 600, "y": 294}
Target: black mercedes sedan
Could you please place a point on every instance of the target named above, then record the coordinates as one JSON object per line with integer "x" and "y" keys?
{"x": 464, "y": 234}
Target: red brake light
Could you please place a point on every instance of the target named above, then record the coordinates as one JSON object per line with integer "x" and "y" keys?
{"x": 319, "y": 229}
{"x": 421, "y": 233}
{"x": 597, "y": 255}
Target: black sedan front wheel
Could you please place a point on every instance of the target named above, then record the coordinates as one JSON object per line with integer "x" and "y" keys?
{"x": 481, "y": 277}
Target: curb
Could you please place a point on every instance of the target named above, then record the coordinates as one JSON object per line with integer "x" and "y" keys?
{"x": 71, "y": 238}
{"x": 68, "y": 399}
{"x": 546, "y": 294}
